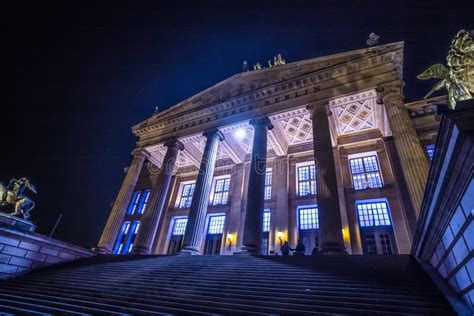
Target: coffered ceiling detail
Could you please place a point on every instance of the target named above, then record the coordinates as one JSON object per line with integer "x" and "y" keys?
{"x": 297, "y": 129}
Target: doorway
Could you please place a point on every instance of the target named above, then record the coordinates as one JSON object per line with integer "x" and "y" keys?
{"x": 215, "y": 229}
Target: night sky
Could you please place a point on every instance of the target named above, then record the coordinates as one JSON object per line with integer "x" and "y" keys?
{"x": 76, "y": 78}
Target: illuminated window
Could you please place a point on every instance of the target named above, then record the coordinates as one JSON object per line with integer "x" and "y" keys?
{"x": 221, "y": 191}
{"x": 179, "y": 226}
{"x": 266, "y": 221}
{"x": 187, "y": 195}
{"x": 143, "y": 202}
{"x": 126, "y": 237}
{"x": 306, "y": 180}
{"x": 268, "y": 185}
{"x": 122, "y": 238}
{"x": 216, "y": 224}
{"x": 308, "y": 218}
{"x": 133, "y": 203}
{"x": 365, "y": 173}
{"x": 373, "y": 214}
{"x": 430, "y": 150}
{"x": 131, "y": 238}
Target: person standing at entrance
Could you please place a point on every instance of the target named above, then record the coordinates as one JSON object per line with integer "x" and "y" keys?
{"x": 300, "y": 248}
{"x": 285, "y": 249}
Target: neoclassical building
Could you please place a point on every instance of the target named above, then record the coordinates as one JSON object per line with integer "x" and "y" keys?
{"x": 323, "y": 150}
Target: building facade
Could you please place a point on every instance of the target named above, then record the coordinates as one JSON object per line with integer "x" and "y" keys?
{"x": 323, "y": 150}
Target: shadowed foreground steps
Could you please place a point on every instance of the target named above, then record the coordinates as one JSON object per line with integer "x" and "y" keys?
{"x": 154, "y": 285}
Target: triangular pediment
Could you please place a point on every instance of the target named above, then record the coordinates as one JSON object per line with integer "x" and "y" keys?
{"x": 248, "y": 82}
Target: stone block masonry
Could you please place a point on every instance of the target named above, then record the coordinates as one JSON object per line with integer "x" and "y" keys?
{"x": 22, "y": 252}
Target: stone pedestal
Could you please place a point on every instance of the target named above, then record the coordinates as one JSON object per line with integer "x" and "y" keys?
{"x": 252, "y": 238}
{"x": 197, "y": 212}
{"x": 16, "y": 223}
{"x": 22, "y": 251}
{"x": 444, "y": 239}
{"x": 151, "y": 217}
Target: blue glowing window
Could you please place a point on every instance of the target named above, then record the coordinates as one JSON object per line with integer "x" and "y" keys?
{"x": 143, "y": 202}
{"x": 131, "y": 237}
{"x": 430, "y": 149}
{"x": 133, "y": 203}
{"x": 306, "y": 180}
{"x": 216, "y": 224}
{"x": 365, "y": 173}
{"x": 179, "y": 226}
{"x": 308, "y": 218}
{"x": 122, "y": 238}
{"x": 186, "y": 195}
{"x": 266, "y": 221}
{"x": 373, "y": 214}
{"x": 268, "y": 185}
{"x": 221, "y": 192}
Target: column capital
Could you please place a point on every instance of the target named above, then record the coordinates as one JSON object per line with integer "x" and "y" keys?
{"x": 140, "y": 153}
{"x": 261, "y": 121}
{"x": 388, "y": 90}
{"x": 174, "y": 143}
{"x": 318, "y": 108}
{"x": 211, "y": 133}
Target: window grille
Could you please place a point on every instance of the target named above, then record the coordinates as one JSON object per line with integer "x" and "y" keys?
{"x": 306, "y": 180}
{"x": 221, "y": 192}
{"x": 365, "y": 173}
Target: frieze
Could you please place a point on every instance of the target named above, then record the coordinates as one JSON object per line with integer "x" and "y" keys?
{"x": 312, "y": 79}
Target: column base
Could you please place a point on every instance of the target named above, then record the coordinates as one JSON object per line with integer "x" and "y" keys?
{"x": 332, "y": 250}
{"x": 249, "y": 251}
{"x": 140, "y": 251}
{"x": 102, "y": 250}
{"x": 189, "y": 251}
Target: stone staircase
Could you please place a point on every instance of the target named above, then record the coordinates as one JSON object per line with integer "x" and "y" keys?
{"x": 196, "y": 285}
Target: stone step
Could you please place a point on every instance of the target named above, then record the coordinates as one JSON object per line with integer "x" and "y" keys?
{"x": 19, "y": 299}
{"x": 236, "y": 306}
{"x": 148, "y": 285}
{"x": 308, "y": 299}
{"x": 180, "y": 279}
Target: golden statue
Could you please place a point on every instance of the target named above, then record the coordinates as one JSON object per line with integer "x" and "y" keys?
{"x": 277, "y": 61}
{"x": 13, "y": 195}
{"x": 458, "y": 77}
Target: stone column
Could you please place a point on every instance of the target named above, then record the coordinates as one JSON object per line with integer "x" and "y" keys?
{"x": 252, "y": 236}
{"x": 114, "y": 223}
{"x": 330, "y": 227}
{"x": 157, "y": 201}
{"x": 197, "y": 212}
{"x": 414, "y": 162}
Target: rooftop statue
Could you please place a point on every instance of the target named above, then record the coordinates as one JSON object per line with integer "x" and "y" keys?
{"x": 12, "y": 196}
{"x": 458, "y": 77}
{"x": 277, "y": 61}
{"x": 373, "y": 39}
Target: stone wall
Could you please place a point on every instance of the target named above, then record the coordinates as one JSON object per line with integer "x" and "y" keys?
{"x": 444, "y": 240}
{"x": 22, "y": 252}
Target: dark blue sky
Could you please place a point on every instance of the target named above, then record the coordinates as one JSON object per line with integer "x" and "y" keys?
{"x": 76, "y": 78}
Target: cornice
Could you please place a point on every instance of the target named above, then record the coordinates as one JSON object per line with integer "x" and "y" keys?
{"x": 373, "y": 59}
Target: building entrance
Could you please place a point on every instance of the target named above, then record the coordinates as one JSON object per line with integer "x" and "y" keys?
{"x": 177, "y": 235}
{"x": 214, "y": 234}
{"x": 379, "y": 241}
